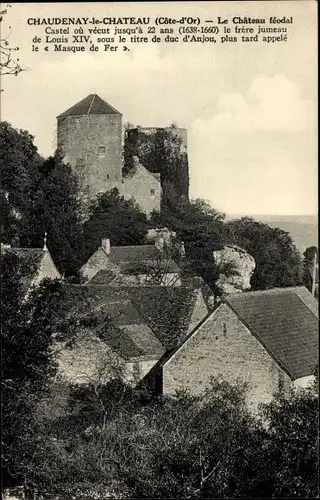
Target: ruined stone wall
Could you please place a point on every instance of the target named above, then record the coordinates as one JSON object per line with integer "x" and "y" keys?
{"x": 223, "y": 346}
{"x": 149, "y": 144}
{"x": 177, "y": 132}
{"x": 92, "y": 144}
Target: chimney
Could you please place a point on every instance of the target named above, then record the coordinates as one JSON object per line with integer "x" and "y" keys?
{"x": 105, "y": 245}
{"x": 45, "y": 248}
{"x": 182, "y": 249}
{"x": 159, "y": 242}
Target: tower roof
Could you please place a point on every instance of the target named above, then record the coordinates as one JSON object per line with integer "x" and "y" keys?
{"x": 90, "y": 105}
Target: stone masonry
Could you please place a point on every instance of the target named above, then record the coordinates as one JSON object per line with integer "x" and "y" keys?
{"x": 90, "y": 139}
{"x": 92, "y": 145}
{"x": 224, "y": 346}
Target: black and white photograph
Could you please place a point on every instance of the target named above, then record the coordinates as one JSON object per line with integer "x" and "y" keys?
{"x": 159, "y": 250}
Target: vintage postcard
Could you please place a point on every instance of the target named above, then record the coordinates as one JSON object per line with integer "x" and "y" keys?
{"x": 159, "y": 251}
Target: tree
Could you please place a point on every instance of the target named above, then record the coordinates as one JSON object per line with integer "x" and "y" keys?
{"x": 163, "y": 152}
{"x": 8, "y": 64}
{"x": 19, "y": 161}
{"x": 28, "y": 324}
{"x": 199, "y": 226}
{"x": 55, "y": 208}
{"x": 289, "y": 463}
{"x": 116, "y": 218}
{"x": 278, "y": 262}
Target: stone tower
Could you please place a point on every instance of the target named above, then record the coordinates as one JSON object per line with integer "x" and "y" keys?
{"x": 90, "y": 138}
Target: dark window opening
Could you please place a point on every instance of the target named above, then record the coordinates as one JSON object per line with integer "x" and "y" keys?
{"x": 152, "y": 192}
{"x": 101, "y": 150}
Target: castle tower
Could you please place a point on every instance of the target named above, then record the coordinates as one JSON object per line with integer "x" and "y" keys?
{"x": 90, "y": 137}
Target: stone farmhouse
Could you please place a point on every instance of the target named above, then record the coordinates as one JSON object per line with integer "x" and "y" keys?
{"x": 133, "y": 328}
{"x": 90, "y": 136}
{"x": 131, "y": 265}
{"x": 266, "y": 339}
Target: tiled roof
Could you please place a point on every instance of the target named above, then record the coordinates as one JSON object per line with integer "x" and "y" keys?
{"x": 285, "y": 320}
{"x": 90, "y": 105}
{"x": 136, "y": 259}
{"x": 122, "y": 312}
{"x": 162, "y": 266}
{"x": 166, "y": 310}
{"x": 103, "y": 277}
{"x": 118, "y": 322}
{"x": 135, "y": 253}
{"x": 144, "y": 339}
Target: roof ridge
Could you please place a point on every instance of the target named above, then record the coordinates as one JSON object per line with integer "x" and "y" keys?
{"x": 132, "y": 246}
{"x": 114, "y": 109}
{"x": 91, "y": 104}
{"x": 262, "y": 292}
{"x": 25, "y": 248}
{"x": 305, "y": 303}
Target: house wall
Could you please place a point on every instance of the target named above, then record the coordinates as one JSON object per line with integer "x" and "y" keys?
{"x": 47, "y": 270}
{"x": 97, "y": 262}
{"x": 79, "y": 138}
{"x": 90, "y": 360}
{"x": 223, "y": 346}
{"x": 144, "y": 188}
{"x": 87, "y": 360}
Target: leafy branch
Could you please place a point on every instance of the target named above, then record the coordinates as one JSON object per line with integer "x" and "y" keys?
{"x": 9, "y": 65}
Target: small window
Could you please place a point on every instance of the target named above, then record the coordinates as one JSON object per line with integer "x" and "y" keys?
{"x": 101, "y": 150}
{"x": 108, "y": 176}
{"x": 152, "y": 192}
{"x": 224, "y": 327}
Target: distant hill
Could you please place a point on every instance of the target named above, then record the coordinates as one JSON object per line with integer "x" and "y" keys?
{"x": 303, "y": 228}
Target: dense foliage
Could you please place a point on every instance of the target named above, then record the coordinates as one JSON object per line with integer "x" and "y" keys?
{"x": 19, "y": 161}
{"x": 28, "y": 324}
{"x": 108, "y": 438}
{"x": 41, "y": 196}
{"x": 55, "y": 208}
{"x": 127, "y": 444}
{"x": 278, "y": 262}
{"x": 162, "y": 151}
{"x": 116, "y": 218}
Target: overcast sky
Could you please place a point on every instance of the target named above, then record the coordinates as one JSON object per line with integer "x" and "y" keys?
{"x": 250, "y": 109}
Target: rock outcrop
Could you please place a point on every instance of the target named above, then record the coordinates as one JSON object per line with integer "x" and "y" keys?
{"x": 235, "y": 268}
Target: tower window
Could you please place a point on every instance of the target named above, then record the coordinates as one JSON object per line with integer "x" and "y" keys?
{"x": 101, "y": 150}
{"x": 152, "y": 192}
